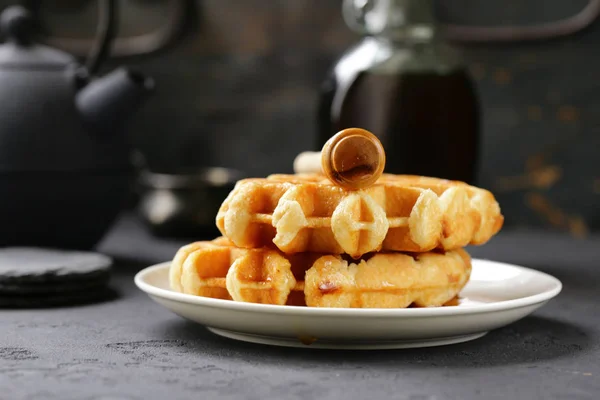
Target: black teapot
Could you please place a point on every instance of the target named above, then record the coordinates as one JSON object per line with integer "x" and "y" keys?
{"x": 65, "y": 164}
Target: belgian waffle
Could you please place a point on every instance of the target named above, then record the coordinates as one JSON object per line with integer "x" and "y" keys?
{"x": 308, "y": 213}
{"x": 219, "y": 269}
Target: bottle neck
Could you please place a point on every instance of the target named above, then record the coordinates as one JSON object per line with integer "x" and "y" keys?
{"x": 396, "y": 21}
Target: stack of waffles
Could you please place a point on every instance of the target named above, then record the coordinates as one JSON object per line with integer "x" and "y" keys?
{"x": 303, "y": 240}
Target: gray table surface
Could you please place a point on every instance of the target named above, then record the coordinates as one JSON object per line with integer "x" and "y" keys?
{"x": 131, "y": 348}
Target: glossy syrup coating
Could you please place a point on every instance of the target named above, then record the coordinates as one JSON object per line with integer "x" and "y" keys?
{"x": 353, "y": 158}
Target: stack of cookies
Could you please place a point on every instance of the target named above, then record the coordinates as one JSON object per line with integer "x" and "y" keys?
{"x": 40, "y": 278}
{"x": 346, "y": 236}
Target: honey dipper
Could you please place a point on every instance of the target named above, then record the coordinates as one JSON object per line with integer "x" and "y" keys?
{"x": 353, "y": 158}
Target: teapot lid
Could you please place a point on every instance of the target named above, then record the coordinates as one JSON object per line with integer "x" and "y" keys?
{"x": 16, "y": 25}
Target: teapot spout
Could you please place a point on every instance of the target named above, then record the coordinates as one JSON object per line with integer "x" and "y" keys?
{"x": 106, "y": 103}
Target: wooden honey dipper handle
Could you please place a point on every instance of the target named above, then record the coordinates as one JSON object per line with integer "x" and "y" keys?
{"x": 353, "y": 158}
{"x": 308, "y": 162}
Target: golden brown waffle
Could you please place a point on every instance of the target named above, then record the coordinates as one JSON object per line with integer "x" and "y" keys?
{"x": 220, "y": 270}
{"x": 308, "y": 213}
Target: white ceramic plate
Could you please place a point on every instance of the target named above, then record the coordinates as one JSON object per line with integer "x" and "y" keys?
{"x": 497, "y": 295}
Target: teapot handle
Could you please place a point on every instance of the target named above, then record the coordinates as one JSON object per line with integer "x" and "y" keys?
{"x": 354, "y": 13}
{"x": 105, "y": 34}
{"x": 549, "y": 30}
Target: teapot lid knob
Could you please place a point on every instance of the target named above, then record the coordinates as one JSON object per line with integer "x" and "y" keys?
{"x": 16, "y": 23}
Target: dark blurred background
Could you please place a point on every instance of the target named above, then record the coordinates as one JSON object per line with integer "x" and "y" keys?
{"x": 237, "y": 85}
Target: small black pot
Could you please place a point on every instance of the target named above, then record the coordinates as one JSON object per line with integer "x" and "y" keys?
{"x": 184, "y": 204}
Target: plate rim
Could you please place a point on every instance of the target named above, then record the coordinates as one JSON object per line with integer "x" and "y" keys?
{"x": 503, "y": 305}
{"x": 373, "y": 344}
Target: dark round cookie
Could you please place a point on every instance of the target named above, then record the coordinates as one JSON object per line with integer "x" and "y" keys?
{"x": 56, "y": 299}
{"x": 47, "y": 288}
{"x": 23, "y": 265}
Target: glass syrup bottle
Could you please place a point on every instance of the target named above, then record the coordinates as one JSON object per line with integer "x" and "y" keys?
{"x": 408, "y": 87}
